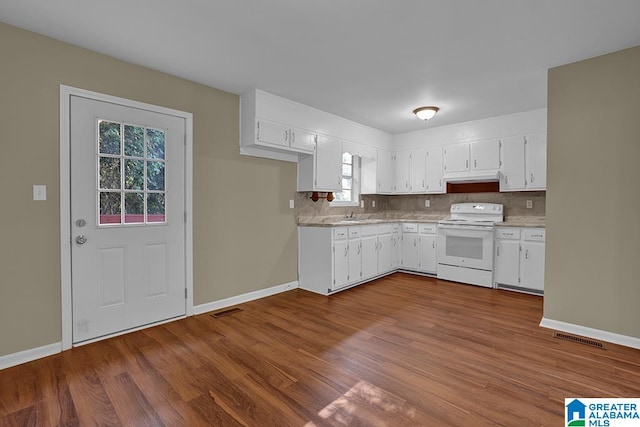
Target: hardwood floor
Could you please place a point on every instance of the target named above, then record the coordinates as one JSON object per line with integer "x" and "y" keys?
{"x": 401, "y": 351}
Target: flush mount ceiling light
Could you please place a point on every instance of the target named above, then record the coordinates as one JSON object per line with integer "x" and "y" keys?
{"x": 425, "y": 113}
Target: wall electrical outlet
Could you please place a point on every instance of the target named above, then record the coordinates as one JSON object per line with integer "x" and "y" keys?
{"x": 373, "y": 203}
{"x": 362, "y": 204}
{"x": 529, "y": 204}
{"x": 427, "y": 203}
{"x": 39, "y": 192}
{"x": 291, "y": 204}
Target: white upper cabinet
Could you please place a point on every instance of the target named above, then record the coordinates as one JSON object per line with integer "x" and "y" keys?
{"x": 302, "y": 140}
{"x": 535, "y": 152}
{"x": 512, "y": 164}
{"x": 328, "y": 164}
{"x": 435, "y": 169}
{"x": 524, "y": 163}
{"x": 386, "y": 172}
{"x": 269, "y": 133}
{"x": 417, "y": 168}
{"x": 456, "y": 158}
{"x": 485, "y": 155}
{"x": 403, "y": 172}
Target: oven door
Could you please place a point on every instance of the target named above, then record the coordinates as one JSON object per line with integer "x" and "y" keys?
{"x": 468, "y": 246}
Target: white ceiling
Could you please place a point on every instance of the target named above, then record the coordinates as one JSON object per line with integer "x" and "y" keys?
{"x": 371, "y": 61}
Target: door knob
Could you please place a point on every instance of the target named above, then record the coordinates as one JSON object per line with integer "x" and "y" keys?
{"x": 81, "y": 239}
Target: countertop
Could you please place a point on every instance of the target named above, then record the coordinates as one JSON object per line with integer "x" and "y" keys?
{"x": 339, "y": 221}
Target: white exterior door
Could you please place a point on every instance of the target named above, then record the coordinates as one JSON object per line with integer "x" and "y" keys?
{"x": 127, "y": 217}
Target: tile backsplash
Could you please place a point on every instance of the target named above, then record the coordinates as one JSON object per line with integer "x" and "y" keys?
{"x": 515, "y": 203}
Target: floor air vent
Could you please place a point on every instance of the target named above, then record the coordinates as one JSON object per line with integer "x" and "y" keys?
{"x": 226, "y": 312}
{"x": 579, "y": 340}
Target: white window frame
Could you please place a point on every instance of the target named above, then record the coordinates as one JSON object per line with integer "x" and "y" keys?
{"x": 355, "y": 185}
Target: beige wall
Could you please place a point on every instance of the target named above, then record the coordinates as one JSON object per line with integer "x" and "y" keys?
{"x": 244, "y": 233}
{"x": 593, "y": 193}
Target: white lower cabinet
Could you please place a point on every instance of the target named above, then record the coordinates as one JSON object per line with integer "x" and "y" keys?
{"x": 369, "y": 241}
{"x": 410, "y": 249}
{"x": 519, "y": 259}
{"x": 427, "y": 238}
{"x": 396, "y": 246}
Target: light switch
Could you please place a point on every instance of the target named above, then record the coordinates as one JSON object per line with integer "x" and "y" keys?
{"x": 291, "y": 204}
{"x": 39, "y": 192}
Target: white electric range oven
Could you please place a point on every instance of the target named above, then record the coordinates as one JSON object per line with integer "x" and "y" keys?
{"x": 465, "y": 243}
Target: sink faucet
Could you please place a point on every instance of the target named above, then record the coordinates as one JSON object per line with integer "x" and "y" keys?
{"x": 349, "y": 216}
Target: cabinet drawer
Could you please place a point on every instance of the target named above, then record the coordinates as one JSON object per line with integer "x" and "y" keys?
{"x": 369, "y": 230}
{"x": 533, "y": 234}
{"x": 409, "y": 228}
{"x": 395, "y": 228}
{"x": 354, "y": 232}
{"x": 385, "y": 228}
{"x": 428, "y": 228}
{"x": 508, "y": 233}
{"x": 340, "y": 233}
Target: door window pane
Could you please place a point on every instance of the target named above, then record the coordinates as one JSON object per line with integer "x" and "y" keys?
{"x": 155, "y": 207}
{"x": 109, "y": 137}
{"x": 134, "y": 208}
{"x": 155, "y": 144}
{"x": 155, "y": 176}
{"x": 109, "y": 173}
{"x": 110, "y": 208}
{"x": 134, "y": 174}
{"x": 133, "y": 141}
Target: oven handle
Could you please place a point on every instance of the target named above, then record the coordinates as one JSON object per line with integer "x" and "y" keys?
{"x": 465, "y": 227}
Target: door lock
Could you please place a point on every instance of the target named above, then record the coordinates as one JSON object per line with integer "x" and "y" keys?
{"x": 81, "y": 239}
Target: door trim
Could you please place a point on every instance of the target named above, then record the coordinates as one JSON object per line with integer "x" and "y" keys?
{"x": 65, "y": 197}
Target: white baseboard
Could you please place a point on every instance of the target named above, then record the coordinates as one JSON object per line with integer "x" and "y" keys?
{"x": 227, "y": 302}
{"x": 611, "y": 337}
{"x": 28, "y": 355}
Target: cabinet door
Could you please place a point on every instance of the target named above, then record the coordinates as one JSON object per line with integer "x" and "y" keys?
{"x": 512, "y": 159}
{"x": 302, "y": 140}
{"x": 532, "y": 265}
{"x": 396, "y": 250}
{"x": 386, "y": 171}
{"x": 403, "y": 184}
{"x": 355, "y": 260}
{"x": 428, "y": 253}
{"x": 435, "y": 169}
{"x": 328, "y": 160}
{"x": 410, "y": 251}
{"x": 536, "y": 161}
{"x": 270, "y": 133}
{"x": 369, "y": 256}
{"x": 418, "y": 168}
{"x": 385, "y": 253}
{"x": 485, "y": 155}
{"x": 340, "y": 264}
{"x": 507, "y": 262}
{"x": 456, "y": 158}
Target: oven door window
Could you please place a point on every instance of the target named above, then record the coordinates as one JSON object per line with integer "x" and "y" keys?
{"x": 464, "y": 247}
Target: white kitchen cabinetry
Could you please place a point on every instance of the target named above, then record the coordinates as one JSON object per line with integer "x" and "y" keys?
{"x": 485, "y": 155}
{"x": 512, "y": 164}
{"x": 385, "y": 248}
{"x": 535, "y": 152}
{"x": 410, "y": 172}
{"x": 403, "y": 172}
{"x": 435, "y": 170}
{"x": 456, "y": 158}
{"x": 519, "y": 259}
{"x": 410, "y": 249}
{"x": 369, "y": 244}
{"x": 355, "y": 255}
{"x": 524, "y": 163}
{"x": 276, "y": 135}
{"x": 386, "y": 172}
{"x": 532, "y": 259}
{"x": 428, "y": 251}
{"x": 396, "y": 249}
{"x": 322, "y": 171}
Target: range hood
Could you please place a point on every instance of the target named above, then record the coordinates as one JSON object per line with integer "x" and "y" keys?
{"x": 475, "y": 176}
